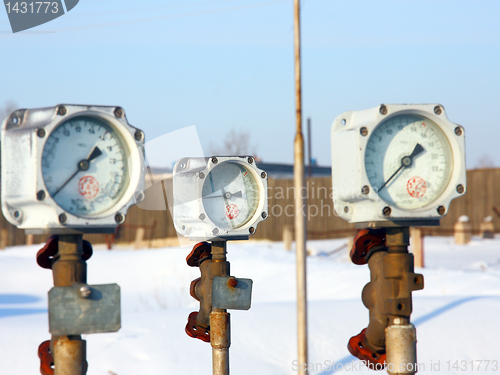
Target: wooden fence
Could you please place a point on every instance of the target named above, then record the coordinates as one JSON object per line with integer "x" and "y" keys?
{"x": 481, "y": 198}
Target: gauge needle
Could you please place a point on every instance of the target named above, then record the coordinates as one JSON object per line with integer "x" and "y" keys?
{"x": 83, "y": 165}
{"x": 405, "y": 162}
{"x": 226, "y": 195}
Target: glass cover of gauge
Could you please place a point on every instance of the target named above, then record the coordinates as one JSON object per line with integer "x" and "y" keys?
{"x": 230, "y": 195}
{"x": 408, "y": 161}
{"x": 84, "y": 166}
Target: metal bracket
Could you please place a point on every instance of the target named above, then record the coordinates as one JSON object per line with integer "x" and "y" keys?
{"x": 231, "y": 293}
{"x": 82, "y": 309}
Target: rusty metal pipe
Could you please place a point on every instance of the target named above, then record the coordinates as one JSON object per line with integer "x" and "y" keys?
{"x": 69, "y": 268}
{"x": 373, "y": 297}
{"x": 70, "y": 356}
{"x": 400, "y": 335}
{"x": 388, "y": 296}
{"x": 219, "y": 252}
{"x": 203, "y": 288}
{"x": 220, "y": 339}
{"x": 220, "y": 325}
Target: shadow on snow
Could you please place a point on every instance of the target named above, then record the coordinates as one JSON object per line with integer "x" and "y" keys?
{"x": 431, "y": 315}
{"x": 12, "y": 299}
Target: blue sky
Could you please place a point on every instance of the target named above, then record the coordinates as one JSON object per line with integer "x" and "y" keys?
{"x": 228, "y": 64}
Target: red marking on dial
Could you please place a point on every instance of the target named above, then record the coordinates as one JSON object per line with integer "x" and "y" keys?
{"x": 88, "y": 187}
{"x": 232, "y": 211}
{"x": 416, "y": 187}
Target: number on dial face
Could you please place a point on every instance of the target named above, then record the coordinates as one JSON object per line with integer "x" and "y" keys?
{"x": 425, "y": 179}
{"x": 89, "y": 191}
{"x": 230, "y": 195}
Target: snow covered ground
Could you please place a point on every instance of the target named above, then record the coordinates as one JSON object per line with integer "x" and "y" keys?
{"x": 456, "y": 315}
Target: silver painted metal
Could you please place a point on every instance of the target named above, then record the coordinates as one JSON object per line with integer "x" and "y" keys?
{"x": 70, "y": 314}
{"x": 226, "y": 296}
{"x": 85, "y": 291}
{"x": 24, "y": 134}
{"x": 190, "y": 215}
{"x": 401, "y": 347}
{"x": 349, "y": 168}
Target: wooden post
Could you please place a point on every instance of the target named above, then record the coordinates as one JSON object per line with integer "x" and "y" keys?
{"x": 139, "y": 236}
{"x": 417, "y": 246}
{"x": 30, "y": 239}
{"x": 462, "y": 230}
{"x": 4, "y": 238}
{"x": 487, "y": 228}
{"x": 287, "y": 237}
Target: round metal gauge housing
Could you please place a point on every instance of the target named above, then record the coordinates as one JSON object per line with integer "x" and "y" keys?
{"x": 396, "y": 165}
{"x": 85, "y": 166}
{"x": 231, "y": 195}
{"x": 408, "y": 161}
{"x": 221, "y": 197}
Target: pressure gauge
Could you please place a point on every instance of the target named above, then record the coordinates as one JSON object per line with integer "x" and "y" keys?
{"x": 85, "y": 166}
{"x": 70, "y": 168}
{"x": 219, "y": 197}
{"x": 399, "y": 163}
{"x": 230, "y": 195}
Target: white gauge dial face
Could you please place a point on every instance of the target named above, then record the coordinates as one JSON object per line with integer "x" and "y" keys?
{"x": 84, "y": 166}
{"x": 230, "y": 195}
{"x": 408, "y": 161}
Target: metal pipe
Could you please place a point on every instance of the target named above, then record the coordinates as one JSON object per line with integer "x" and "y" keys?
{"x": 300, "y": 203}
{"x": 220, "y": 339}
{"x": 219, "y": 252}
{"x": 400, "y": 334}
{"x": 70, "y": 355}
{"x": 220, "y": 325}
{"x": 69, "y": 268}
{"x": 298, "y": 83}
{"x": 401, "y": 347}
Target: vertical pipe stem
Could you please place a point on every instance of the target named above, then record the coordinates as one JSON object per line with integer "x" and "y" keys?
{"x": 401, "y": 347}
{"x": 220, "y": 325}
{"x": 400, "y": 334}
{"x": 68, "y": 269}
{"x": 220, "y": 339}
{"x": 300, "y": 203}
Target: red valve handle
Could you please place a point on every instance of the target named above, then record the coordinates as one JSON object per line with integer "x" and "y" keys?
{"x": 45, "y": 256}
{"x": 195, "y": 331}
{"x": 363, "y": 244}
{"x": 201, "y": 252}
{"x": 46, "y": 359}
{"x": 374, "y": 361}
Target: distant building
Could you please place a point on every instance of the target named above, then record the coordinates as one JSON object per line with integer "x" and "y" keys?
{"x": 285, "y": 171}
{"x": 274, "y": 170}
